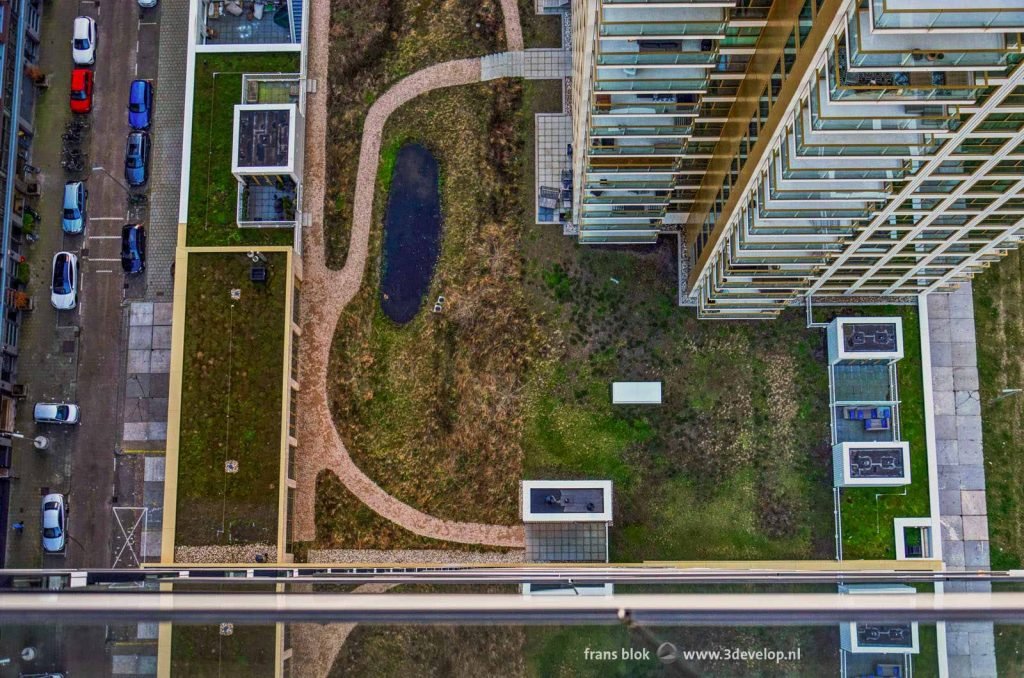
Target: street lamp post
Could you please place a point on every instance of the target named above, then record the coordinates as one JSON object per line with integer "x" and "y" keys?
{"x": 39, "y": 442}
{"x": 114, "y": 179}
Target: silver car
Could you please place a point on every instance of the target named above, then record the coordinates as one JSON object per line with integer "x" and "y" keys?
{"x": 54, "y": 523}
{"x": 56, "y": 413}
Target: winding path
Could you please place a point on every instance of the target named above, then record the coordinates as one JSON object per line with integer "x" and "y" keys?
{"x": 320, "y": 446}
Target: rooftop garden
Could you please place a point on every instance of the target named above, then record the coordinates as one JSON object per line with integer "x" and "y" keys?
{"x": 868, "y": 512}
{"x": 213, "y": 189}
{"x": 231, "y": 402}
{"x": 202, "y": 651}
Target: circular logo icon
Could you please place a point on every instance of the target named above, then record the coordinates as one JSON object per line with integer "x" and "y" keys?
{"x": 667, "y": 653}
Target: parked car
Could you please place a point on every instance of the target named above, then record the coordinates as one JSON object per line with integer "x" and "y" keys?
{"x": 54, "y": 523}
{"x": 64, "y": 290}
{"x": 136, "y": 159}
{"x": 75, "y": 199}
{"x": 83, "y": 41}
{"x": 56, "y": 413}
{"x": 81, "y": 90}
{"x": 147, "y": 4}
{"x": 140, "y": 104}
{"x": 133, "y": 248}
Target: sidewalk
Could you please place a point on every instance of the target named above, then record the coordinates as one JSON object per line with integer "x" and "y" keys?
{"x": 970, "y": 646}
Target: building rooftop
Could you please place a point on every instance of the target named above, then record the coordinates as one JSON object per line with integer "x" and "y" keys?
{"x": 876, "y": 462}
{"x": 869, "y": 337}
{"x": 264, "y": 138}
{"x": 569, "y": 500}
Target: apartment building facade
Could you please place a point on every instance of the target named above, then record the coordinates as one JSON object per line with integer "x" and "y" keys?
{"x": 827, "y": 147}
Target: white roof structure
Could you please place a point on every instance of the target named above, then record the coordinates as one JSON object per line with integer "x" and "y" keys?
{"x": 264, "y": 140}
{"x": 636, "y": 393}
{"x": 874, "y": 463}
{"x": 868, "y": 339}
{"x": 567, "y": 501}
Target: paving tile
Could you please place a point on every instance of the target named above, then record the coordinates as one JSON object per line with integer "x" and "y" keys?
{"x": 137, "y": 386}
{"x": 953, "y": 553}
{"x": 147, "y": 630}
{"x": 958, "y": 642}
{"x": 970, "y": 452}
{"x": 967, "y": 402}
{"x": 124, "y": 664}
{"x": 938, "y": 306}
{"x": 942, "y": 378}
{"x": 136, "y": 409}
{"x": 141, "y": 313}
{"x": 949, "y": 478}
{"x": 964, "y": 354}
{"x": 156, "y": 430}
{"x": 160, "y": 361}
{"x": 983, "y": 665}
{"x": 961, "y": 303}
{"x": 945, "y": 427}
{"x": 949, "y": 502}
{"x": 965, "y": 378}
{"x": 154, "y": 470}
{"x": 140, "y": 337}
{"x": 952, "y": 528}
{"x": 961, "y": 330}
{"x": 162, "y": 336}
{"x": 938, "y": 328}
{"x": 960, "y": 666}
{"x": 968, "y": 428}
{"x": 154, "y": 539}
{"x": 158, "y": 409}
{"x": 983, "y": 643}
{"x": 138, "y": 361}
{"x": 942, "y": 354}
{"x": 972, "y": 477}
{"x": 159, "y": 385}
{"x": 976, "y": 553}
{"x": 975, "y": 528}
{"x": 946, "y": 453}
{"x": 163, "y": 312}
{"x": 973, "y": 502}
{"x": 134, "y": 431}
{"x": 944, "y": 402}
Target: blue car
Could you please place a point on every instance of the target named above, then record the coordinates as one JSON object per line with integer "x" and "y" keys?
{"x": 133, "y": 248}
{"x": 140, "y": 104}
{"x": 73, "y": 217}
{"x": 136, "y": 159}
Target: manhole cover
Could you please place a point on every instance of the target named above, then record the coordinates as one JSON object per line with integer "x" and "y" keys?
{"x": 68, "y": 346}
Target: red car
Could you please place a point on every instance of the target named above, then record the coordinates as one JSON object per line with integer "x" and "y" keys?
{"x": 81, "y": 90}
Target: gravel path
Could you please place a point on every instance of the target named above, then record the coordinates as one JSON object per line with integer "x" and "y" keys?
{"x": 406, "y": 556}
{"x": 326, "y": 292}
{"x": 513, "y": 27}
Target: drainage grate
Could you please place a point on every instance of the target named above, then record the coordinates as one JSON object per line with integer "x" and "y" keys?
{"x": 67, "y": 346}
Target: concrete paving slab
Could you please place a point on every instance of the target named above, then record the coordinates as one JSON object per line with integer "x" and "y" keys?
{"x": 944, "y": 402}
{"x": 140, "y": 337}
{"x": 967, "y": 403}
{"x": 961, "y": 329}
{"x": 964, "y": 354}
{"x": 159, "y": 385}
{"x": 946, "y": 453}
{"x": 949, "y": 501}
{"x": 158, "y": 409}
{"x": 138, "y": 361}
{"x": 938, "y": 305}
{"x": 141, "y": 313}
{"x": 952, "y": 528}
{"x": 154, "y": 468}
{"x": 973, "y": 503}
{"x": 942, "y": 354}
{"x": 961, "y": 304}
{"x": 163, "y": 312}
{"x": 161, "y": 336}
{"x": 137, "y": 386}
{"x": 156, "y": 430}
{"x": 945, "y": 427}
{"x": 976, "y": 553}
{"x": 160, "y": 361}
{"x": 970, "y": 452}
{"x": 135, "y": 431}
{"x": 972, "y": 477}
{"x": 965, "y": 378}
{"x": 975, "y": 528}
{"x": 953, "y": 553}
{"x": 147, "y": 630}
{"x": 968, "y": 428}
{"x": 942, "y": 378}
{"x": 949, "y": 478}
{"x": 136, "y": 409}
{"x": 983, "y": 642}
{"x": 960, "y": 665}
{"x": 958, "y": 642}
{"x": 154, "y": 539}
{"x": 983, "y": 664}
{"x": 939, "y": 328}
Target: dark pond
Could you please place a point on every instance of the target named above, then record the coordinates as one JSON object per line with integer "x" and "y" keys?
{"x": 412, "y": 233}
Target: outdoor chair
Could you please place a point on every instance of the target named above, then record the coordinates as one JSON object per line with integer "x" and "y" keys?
{"x": 876, "y": 424}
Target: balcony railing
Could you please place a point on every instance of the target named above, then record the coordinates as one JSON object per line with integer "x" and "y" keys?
{"x": 932, "y": 19}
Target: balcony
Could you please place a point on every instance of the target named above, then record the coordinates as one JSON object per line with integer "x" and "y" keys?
{"x": 945, "y": 15}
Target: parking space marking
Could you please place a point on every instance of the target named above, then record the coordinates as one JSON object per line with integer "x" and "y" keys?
{"x": 106, "y": 218}
{"x": 104, "y": 237}
{"x": 105, "y": 270}
{"x": 103, "y": 259}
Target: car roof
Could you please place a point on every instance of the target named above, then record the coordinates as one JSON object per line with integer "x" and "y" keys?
{"x": 138, "y": 87}
{"x": 78, "y": 76}
{"x": 71, "y": 190}
{"x": 82, "y": 26}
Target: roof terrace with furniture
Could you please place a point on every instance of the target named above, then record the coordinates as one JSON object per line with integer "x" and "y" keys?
{"x": 567, "y": 520}
{"x": 266, "y": 157}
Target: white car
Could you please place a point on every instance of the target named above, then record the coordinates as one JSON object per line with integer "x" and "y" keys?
{"x": 64, "y": 288}
{"x": 54, "y": 523}
{"x": 83, "y": 42}
{"x": 56, "y": 413}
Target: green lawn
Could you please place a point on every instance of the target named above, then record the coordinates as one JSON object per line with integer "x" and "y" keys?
{"x": 999, "y": 327}
{"x": 231, "y": 402}
{"x": 868, "y": 512}
{"x": 200, "y": 651}
{"x": 213, "y": 190}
